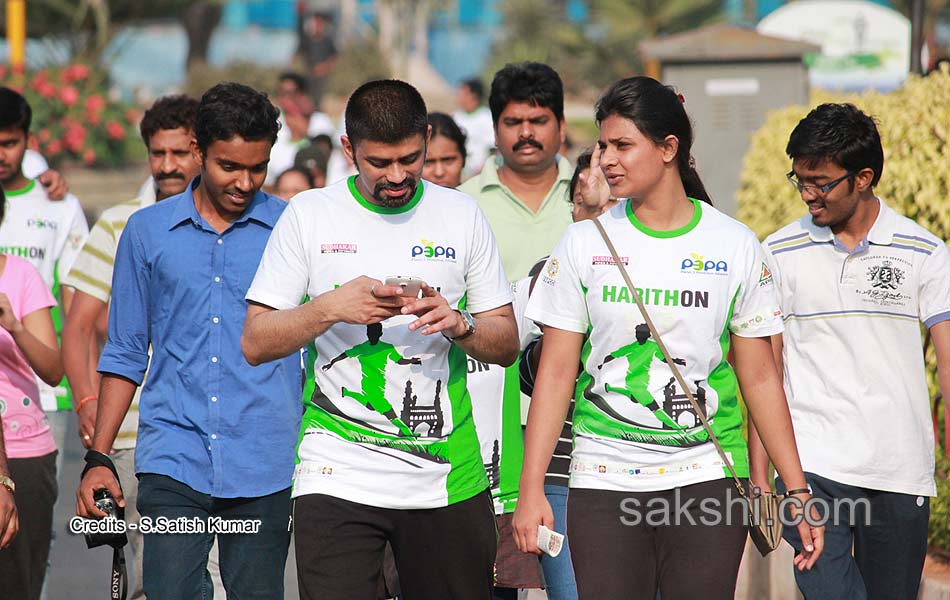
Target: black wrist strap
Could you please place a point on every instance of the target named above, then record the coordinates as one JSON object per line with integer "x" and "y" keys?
{"x": 94, "y": 458}
{"x": 797, "y": 491}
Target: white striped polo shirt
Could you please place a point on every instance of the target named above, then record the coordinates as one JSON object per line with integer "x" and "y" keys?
{"x": 854, "y": 365}
{"x": 91, "y": 273}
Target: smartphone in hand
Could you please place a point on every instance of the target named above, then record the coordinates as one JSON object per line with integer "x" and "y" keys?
{"x": 411, "y": 286}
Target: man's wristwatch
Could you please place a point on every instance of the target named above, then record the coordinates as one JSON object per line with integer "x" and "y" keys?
{"x": 6, "y": 482}
{"x": 469, "y": 324}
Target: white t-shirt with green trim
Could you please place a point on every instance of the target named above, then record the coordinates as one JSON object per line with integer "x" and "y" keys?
{"x": 49, "y": 234}
{"x": 634, "y": 429}
{"x": 496, "y": 408}
{"x": 388, "y": 418}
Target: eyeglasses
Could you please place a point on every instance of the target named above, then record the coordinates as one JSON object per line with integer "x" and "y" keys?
{"x": 816, "y": 189}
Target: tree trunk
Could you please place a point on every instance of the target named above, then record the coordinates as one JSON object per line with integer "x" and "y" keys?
{"x": 420, "y": 34}
{"x": 199, "y": 21}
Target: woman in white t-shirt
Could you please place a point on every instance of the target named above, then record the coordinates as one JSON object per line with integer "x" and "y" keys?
{"x": 27, "y": 345}
{"x": 651, "y": 506}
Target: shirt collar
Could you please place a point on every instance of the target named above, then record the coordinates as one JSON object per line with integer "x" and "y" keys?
{"x": 149, "y": 196}
{"x": 489, "y": 175}
{"x": 881, "y": 232}
{"x": 261, "y": 209}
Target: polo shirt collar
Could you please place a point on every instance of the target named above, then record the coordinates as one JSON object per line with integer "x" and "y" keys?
{"x": 260, "y": 209}
{"x": 149, "y": 196}
{"x": 489, "y": 175}
{"x": 881, "y": 233}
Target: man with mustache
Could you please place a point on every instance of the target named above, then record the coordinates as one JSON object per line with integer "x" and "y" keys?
{"x": 523, "y": 193}
{"x": 167, "y": 129}
{"x": 390, "y": 455}
{"x": 216, "y": 436}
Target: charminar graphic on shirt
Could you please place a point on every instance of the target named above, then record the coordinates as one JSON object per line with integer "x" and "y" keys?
{"x": 496, "y": 409}
{"x": 49, "y": 234}
{"x": 634, "y": 428}
{"x": 388, "y": 418}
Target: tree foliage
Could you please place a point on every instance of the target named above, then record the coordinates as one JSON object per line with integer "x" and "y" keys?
{"x": 600, "y": 51}
{"x": 87, "y": 26}
{"x": 914, "y": 122}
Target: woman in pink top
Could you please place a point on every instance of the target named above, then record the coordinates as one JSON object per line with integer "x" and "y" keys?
{"x": 27, "y": 346}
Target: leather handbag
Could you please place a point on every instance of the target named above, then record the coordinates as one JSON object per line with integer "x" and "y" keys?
{"x": 765, "y": 526}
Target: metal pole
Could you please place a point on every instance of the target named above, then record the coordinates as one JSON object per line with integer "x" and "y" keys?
{"x": 16, "y": 31}
{"x": 916, "y": 35}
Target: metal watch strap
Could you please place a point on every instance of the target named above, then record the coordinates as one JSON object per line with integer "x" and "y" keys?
{"x": 668, "y": 357}
{"x": 8, "y": 483}
{"x": 469, "y": 324}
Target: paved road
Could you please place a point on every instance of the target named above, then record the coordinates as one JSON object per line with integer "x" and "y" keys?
{"x": 76, "y": 572}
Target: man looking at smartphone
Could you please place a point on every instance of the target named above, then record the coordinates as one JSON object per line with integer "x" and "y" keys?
{"x": 361, "y": 481}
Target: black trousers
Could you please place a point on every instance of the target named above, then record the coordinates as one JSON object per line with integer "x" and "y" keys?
{"x": 628, "y": 546}
{"x": 23, "y": 563}
{"x": 440, "y": 553}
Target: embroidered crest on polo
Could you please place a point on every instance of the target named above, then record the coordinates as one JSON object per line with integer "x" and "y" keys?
{"x": 885, "y": 276}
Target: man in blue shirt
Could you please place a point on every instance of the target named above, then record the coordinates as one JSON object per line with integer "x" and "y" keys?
{"x": 216, "y": 435}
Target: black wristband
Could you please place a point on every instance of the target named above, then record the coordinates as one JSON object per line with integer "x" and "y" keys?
{"x": 94, "y": 459}
{"x": 805, "y": 490}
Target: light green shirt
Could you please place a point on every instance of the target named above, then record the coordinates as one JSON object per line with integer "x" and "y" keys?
{"x": 523, "y": 236}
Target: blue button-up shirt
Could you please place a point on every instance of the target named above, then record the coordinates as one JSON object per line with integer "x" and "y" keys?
{"x": 206, "y": 417}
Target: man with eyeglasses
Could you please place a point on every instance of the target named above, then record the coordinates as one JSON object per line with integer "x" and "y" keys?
{"x": 855, "y": 280}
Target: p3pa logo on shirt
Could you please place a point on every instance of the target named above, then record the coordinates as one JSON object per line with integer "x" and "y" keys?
{"x": 696, "y": 263}
{"x": 431, "y": 250}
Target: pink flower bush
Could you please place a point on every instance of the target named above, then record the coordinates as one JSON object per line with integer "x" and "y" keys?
{"x": 73, "y": 117}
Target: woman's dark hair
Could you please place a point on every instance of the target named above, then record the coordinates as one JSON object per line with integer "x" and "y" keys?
{"x": 657, "y": 111}
{"x": 229, "y": 109}
{"x": 842, "y": 134}
{"x": 444, "y": 125}
{"x": 306, "y": 175}
{"x": 387, "y": 111}
{"x": 583, "y": 163}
